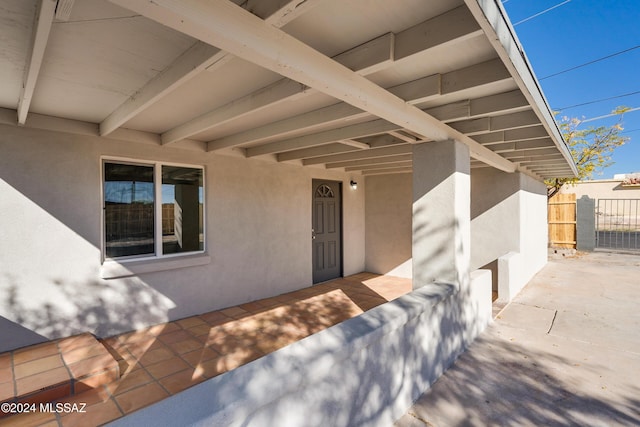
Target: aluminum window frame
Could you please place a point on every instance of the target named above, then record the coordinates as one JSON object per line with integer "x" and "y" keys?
{"x": 157, "y": 209}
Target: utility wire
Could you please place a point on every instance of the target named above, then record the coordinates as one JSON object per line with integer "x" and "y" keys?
{"x": 629, "y": 131}
{"x": 540, "y": 13}
{"x": 591, "y": 62}
{"x": 599, "y": 100}
{"x": 608, "y": 115}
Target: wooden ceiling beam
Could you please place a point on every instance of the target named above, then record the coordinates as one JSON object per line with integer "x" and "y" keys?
{"x": 199, "y": 57}
{"x": 41, "y": 29}
{"x": 233, "y": 29}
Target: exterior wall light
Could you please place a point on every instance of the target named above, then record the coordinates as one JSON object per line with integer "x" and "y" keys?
{"x": 354, "y": 185}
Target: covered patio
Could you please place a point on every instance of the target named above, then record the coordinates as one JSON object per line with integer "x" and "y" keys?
{"x": 165, "y": 359}
{"x": 167, "y": 158}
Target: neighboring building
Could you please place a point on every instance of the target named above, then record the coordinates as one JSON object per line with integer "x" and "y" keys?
{"x": 622, "y": 186}
{"x": 146, "y": 175}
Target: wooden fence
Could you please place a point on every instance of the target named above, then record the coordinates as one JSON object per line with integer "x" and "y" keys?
{"x": 562, "y": 221}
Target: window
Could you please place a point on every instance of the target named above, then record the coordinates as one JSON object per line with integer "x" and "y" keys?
{"x": 152, "y": 209}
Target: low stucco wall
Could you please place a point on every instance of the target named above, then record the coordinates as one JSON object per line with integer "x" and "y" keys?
{"x": 508, "y": 227}
{"x": 258, "y": 237}
{"x": 366, "y": 371}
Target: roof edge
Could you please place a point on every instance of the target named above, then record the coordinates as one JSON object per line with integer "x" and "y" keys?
{"x": 493, "y": 20}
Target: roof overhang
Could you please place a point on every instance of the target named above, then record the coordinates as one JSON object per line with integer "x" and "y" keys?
{"x": 321, "y": 82}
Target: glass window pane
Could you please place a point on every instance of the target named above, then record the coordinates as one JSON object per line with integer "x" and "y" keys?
{"x": 182, "y": 216}
{"x": 129, "y": 209}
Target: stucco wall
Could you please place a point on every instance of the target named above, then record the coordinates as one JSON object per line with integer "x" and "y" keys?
{"x": 533, "y": 227}
{"x": 508, "y": 216}
{"x": 388, "y": 207}
{"x": 258, "y": 236}
{"x": 495, "y": 213}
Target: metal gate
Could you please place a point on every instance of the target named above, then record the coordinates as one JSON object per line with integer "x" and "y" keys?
{"x": 618, "y": 224}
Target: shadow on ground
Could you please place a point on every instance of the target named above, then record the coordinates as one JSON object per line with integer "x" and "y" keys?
{"x": 502, "y": 383}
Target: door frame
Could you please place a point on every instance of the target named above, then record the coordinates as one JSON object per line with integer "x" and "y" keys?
{"x": 314, "y": 183}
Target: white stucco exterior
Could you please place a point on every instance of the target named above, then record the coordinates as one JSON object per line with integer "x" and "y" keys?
{"x": 258, "y": 237}
{"x": 388, "y": 224}
{"x": 508, "y": 219}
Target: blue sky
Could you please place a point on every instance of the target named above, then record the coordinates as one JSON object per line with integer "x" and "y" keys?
{"x": 570, "y": 33}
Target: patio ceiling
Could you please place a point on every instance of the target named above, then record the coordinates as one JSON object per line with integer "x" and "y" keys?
{"x": 329, "y": 83}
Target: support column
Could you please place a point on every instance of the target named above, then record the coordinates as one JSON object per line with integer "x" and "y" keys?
{"x": 441, "y": 213}
{"x": 585, "y": 224}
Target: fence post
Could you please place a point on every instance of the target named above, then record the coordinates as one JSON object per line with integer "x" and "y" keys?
{"x": 585, "y": 224}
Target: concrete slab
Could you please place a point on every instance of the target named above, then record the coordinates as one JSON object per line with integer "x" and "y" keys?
{"x": 582, "y": 367}
{"x": 528, "y": 317}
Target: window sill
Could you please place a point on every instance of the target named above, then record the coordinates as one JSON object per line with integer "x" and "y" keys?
{"x": 112, "y": 269}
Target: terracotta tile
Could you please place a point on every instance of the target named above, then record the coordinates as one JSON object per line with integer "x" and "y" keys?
{"x": 250, "y": 324}
{"x": 92, "y": 366}
{"x": 179, "y": 381}
{"x": 288, "y": 330}
{"x": 167, "y": 367}
{"x": 97, "y": 414}
{"x": 167, "y": 328}
{"x": 155, "y": 356}
{"x": 234, "y": 312}
{"x": 31, "y": 419}
{"x": 140, "y": 397}
{"x": 215, "y": 318}
{"x": 36, "y": 366}
{"x": 284, "y": 298}
{"x": 252, "y": 307}
{"x": 195, "y": 357}
{"x": 48, "y": 395}
{"x": 186, "y": 346}
{"x": 96, "y": 380}
{"x": 136, "y": 337}
{"x": 6, "y": 375}
{"x": 34, "y": 352}
{"x": 140, "y": 347}
{"x": 130, "y": 381}
{"x": 268, "y": 344}
{"x": 241, "y": 357}
{"x": 6, "y": 391}
{"x": 223, "y": 343}
{"x": 78, "y": 341}
{"x": 268, "y": 302}
{"x": 190, "y": 322}
{"x": 199, "y": 330}
{"x": 212, "y": 368}
{"x": 128, "y": 366}
{"x": 5, "y": 361}
{"x": 90, "y": 397}
{"x": 78, "y": 354}
{"x": 42, "y": 380}
{"x": 156, "y": 330}
{"x": 175, "y": 336}
{"x": 111, "y": 341}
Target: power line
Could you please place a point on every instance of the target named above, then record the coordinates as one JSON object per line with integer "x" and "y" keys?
{"x": 608, "y": 115}
{"x": 599, "y": 100}
{"x": 540, "y": 13}
{"x": 591, "y": 62}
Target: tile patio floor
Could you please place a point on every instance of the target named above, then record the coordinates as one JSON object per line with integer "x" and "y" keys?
{"x": 165, "y": 359}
